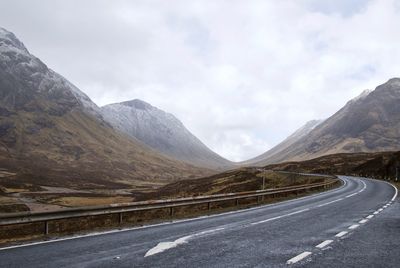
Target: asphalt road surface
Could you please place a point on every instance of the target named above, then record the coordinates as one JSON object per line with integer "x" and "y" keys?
{"x": 356, "y": 225}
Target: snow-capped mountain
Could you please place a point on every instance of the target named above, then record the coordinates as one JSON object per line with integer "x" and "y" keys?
{"x": 34, "y": 77}
{"x": 161, "y": 131}
{"x": 53, "y": 134}
{"x": 367, "y": 123}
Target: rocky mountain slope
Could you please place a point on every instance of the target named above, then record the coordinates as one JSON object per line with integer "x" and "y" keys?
{"x": 286, "y": 144}
{"x": 53, "y": 134}
{"x": 161, "y": 131}
{"x": 368, "y": 123}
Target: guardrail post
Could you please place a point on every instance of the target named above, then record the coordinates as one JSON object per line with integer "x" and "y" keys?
{"x": 171, "y": 211}
{"x": 209, "y": 206}
{"x": 46, "y": 227}
{"x": 237, "y": 202}
{"x": 120, "y": 217}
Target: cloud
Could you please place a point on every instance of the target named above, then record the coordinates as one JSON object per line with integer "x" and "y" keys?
{"x": 241, "y": 75}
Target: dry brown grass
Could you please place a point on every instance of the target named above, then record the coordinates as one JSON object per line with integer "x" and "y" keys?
{"x": 74, "y": 201}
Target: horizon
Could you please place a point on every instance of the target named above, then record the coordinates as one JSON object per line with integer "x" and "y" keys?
{"x": 247, "y": 106}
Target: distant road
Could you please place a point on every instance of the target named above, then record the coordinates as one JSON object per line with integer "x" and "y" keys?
{"x": 356, "y": 225}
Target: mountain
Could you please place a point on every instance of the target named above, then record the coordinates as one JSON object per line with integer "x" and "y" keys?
{"x": 368, "y": 123}
{"x": 286, "y": 144}
{"x": 52, "y": 134}
{"x": 161, "y": 131}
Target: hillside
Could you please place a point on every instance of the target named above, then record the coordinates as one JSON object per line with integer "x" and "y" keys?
{"x": 161, "y": 131}
{"x": 368, "y": 123}
{"x": 286, "y": 144}
{"x": 52, "y": 134}
{"x": 382, "y": 165}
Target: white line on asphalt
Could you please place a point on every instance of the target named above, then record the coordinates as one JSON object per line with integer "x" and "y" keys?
{"x": 396, "y": 192}
{"x": 370, "y": 216}
{"x": 363, "y": 221}
{"x": 376, "y": 212}
{"x": 163, "y": 246}
{"x": 341, "y": 234}
{"x": 299, "y": 257}
{"x": 380, "y": 209}
{"x": 324, "y": 244}
{"x": 350, "y": 195}
{"x": 279, "y": 217}
{"x": 331, "y": 202}
{"x": 354, "y": 226}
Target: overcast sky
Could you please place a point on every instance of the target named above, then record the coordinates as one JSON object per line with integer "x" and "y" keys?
{"x": 241, "y": 75}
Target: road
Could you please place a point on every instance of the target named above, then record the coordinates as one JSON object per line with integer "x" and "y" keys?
{"x": 356, "y": 225}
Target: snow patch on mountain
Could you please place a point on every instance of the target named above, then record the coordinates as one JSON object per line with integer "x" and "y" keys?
{"x": 16, "y": 59}
{"x": 160, "y": 130}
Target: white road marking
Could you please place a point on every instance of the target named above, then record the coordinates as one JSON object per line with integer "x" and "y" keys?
{"x": 363, "y": 221}
{"x": 354, "y": 226}
{"x": 350, "y": 195}
{"x": 376, "y": 212}
{"x": 396, "y": 192}
{"x": 163, "y": 246}
{"x": 324, "y": 244}
{"x": 341, "y": 234}
{"x": 279, "y": 217}
{"x": 380, "y": 209}
{"x": 370, "y": 216}
{"x": 331, "y": 202}
{"x": 299, "y": 257}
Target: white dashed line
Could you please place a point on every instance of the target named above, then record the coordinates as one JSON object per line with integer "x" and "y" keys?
{"x": 343, "y": 233}
{"x": 324, "y": 244}
{"x": 370, "y": 216}
{"x": 354, "y": 226}
{"x": 363, "y": 221}
{"x": 279, "y": 217}
{"x": 376, "y": 212}
{"x": 331, "y": 202}
{"x": 299, "y": 257}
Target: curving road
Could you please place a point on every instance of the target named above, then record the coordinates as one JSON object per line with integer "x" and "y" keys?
{"x": 356, "y": 225}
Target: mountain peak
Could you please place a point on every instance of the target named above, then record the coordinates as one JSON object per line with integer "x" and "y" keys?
{"x": 138, "y": 104}
{"x": 8, "y": 39}
{"x": 363, "y": 94}
{"x": 393, "y": 82}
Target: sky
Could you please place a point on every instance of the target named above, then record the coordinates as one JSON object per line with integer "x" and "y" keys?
{"x": 241, "y": 75}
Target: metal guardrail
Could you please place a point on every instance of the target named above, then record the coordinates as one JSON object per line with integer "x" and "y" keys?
{"x": 46, "y": 217}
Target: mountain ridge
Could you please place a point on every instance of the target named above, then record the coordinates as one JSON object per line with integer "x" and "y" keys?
{"x": 51, "y": 133}
{"x": 161, "y": 131}
{"x": 367, "y": 123}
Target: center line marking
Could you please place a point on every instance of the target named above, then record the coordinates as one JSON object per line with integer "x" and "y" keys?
{"x": 324, "y": 244}
{"x": 370, "y": 216}
{"x": 279, "y": 217}
{"x": 363, "y": 221}
{"x": 299, "y": 257}
{"x": 341, "y": 234}
{"x": 376, "y": 212}
{"x": 354, "y": 226}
